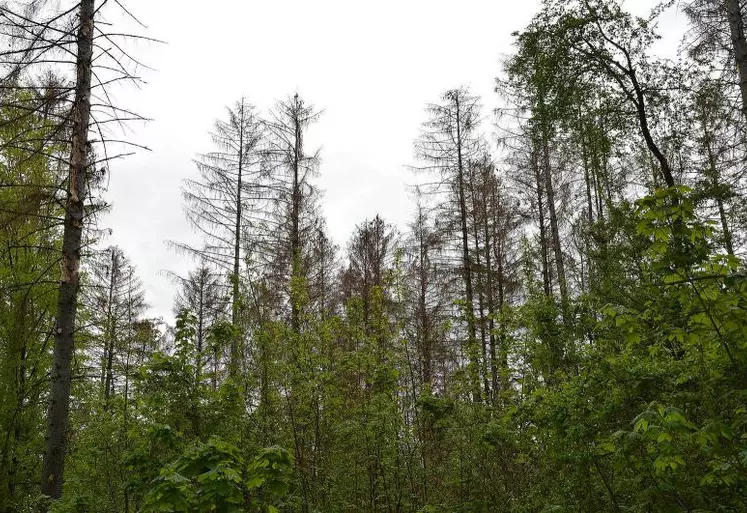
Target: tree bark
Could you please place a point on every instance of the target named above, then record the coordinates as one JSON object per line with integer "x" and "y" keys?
{"x": 489, "y": 194}
{"x": 481, "y": 301}
{"x": 546, "y": 282}
{"x": 466, "y": 263}
{"x": 295, "y": 236}
{"x": 111, "y": 328}
{"x": 53, "y": 465}
{"x": 739, "y": 44}
{"x": 554, "y": 230}
{"x": 235, "y": 338}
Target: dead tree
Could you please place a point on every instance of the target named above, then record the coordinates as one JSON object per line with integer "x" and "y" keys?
{"x": 203, "y": 293}
{"x": 44, "y": 37}
{"x": 115, "y": 298}
{"x": 448, "y": 142}
{"x": 219, "y": 203}
{"x": 289, "y": 171}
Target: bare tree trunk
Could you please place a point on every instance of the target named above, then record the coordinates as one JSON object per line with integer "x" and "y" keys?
{"x": 480, "y": 279}
{"x": 295, "y": 236}
{"x": 739, "y": 44}
{"x": 715, "y": 182}
{"x": 110, "y": 329}
{"x": 466, "y": 264}
{"x": 587, "y": 179}
{"x": 67, "y": 302}
{"x": 235, "y": 339}
{"x": 422, "y": 314}
{"x": 489, "y": 194}
{"x": 546, "y": 282}
{"x": 554, "y": 230}
{"x": 597, "y": 165}
{"x": 200, "y": 331}
{"x": 502, "y": 362}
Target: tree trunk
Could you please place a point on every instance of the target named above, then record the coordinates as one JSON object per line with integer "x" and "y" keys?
{"x": 554, "y": 230}
{"x": 295, "y": 236}
{"x": 110, "y": 329}
{"x": 200, "y": 329}
{"x": 422, "y": 314}
{"x": 503, "y": 375}
{"x": 716, "y": 184}
{"x": 546, "y": 282}
{"x": 490, "y": 194}
{"x": 466, "y": 265}
{"x": 739, "y": 44}
{"x": 67, "y": 301}
{"x": 235, "y": 337}
{"x": 480, "y": 281}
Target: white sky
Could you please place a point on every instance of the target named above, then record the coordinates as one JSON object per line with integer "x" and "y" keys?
{"x": 372, "y": 67}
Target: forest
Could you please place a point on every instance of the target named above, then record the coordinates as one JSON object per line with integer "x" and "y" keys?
{"x": 562, "y": 327}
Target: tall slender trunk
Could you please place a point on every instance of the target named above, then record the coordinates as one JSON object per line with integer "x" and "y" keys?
{"x": 126, "y": 398}
{"x": 599, "y": 167}
{"x": 502, "y": 337}
{"x": 653, "y": 148}
{"x": 590, "y": 214}
{"x": 716, "y": 183}
{"x": 739, "y": 45}
{"x": 425, "y": 342}
{"x": 587, "y": 178}
{"x": 52, "y": 476}
{"x": 295, "y": 255}
{"x": 466, "y": 264}
{"x": 554, "y": 230}
{"x": 423, "y": 322}
{"x": 480, "y": 282}
{"x": 110, "y": 329}
{"x": 200, "y": 329}
{"x": 546, "y": 280}
{"x": 490, "y": 194}
{"x": 295, "y": 237}
{"x": 236, "y": 338}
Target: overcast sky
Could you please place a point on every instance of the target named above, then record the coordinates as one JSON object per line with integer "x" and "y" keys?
{"x": 371, "y": 66}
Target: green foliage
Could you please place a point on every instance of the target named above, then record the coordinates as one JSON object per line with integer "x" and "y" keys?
{"x": 376, "y": 385}
{"x": 214, "y": 476}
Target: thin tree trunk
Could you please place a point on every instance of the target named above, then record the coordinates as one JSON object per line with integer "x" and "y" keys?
{"x": 739, "y": 44}
{"x": 598, "y": 165}
{"x": 546, "y": 282}
{"x": 52, "y": 476}
{"x": 715, "y": 182}
{"x": 554, "y": 230}
{"x": 466, "y": 265}
{"x": 480, "y": 285}
{"x": 109, "y": 350}
{"x": 590, "y": 213}
{"x": 295, "y": 239}
{"x": 425, "y": 342}
{"x": 235, "y": 339}
{"x": 200, "y": 329}
{"x": 587, "y": 181}
{"x": 489, "y": 279}
{"x": 503, "y": 338}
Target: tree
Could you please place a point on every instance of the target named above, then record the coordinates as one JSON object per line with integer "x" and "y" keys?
{"x": 42, "y": 35}
{"x": 203, "y": 293}
{"x": 67, "y": 302}
{"x": 449, "y": 141}
{"x": 116, "y": 301}
{"x": 220, "y": 203}
{"x": 290, "y": 168}
{"x": 717, "y": 34}
{"x": 30, "y": 239}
